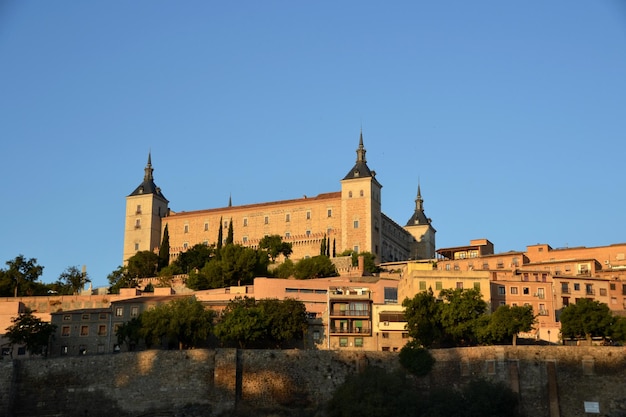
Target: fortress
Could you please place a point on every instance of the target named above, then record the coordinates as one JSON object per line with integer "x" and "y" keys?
{"x": 351, "y": 218}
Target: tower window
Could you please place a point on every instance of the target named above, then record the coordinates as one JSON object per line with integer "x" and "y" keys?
{"x": 186, "y": 228}
{"x": 361, "y": 193}
{"x": 356, "y": 224}
{"x": 330, "y": 213}
{"x": 349, "y": 194}
{"x": 267, "y": 220}
{"x": 138, "y": 209}
{"x": 308, "y": 215}
{"x": 136, "y": 246}
{"x": 138, "y": 224}
{"x": 287, "y": 217}
{"x": 308, "y": 233}
{"x": 245, "y": 222}
{"x": 245, "y": 239}
{"x": 206, "y": 226}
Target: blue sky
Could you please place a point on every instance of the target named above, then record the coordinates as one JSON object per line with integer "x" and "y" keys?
{"x": 511, "y": 115}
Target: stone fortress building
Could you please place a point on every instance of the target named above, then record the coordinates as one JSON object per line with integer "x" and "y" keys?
{"x": 351, "y": 218}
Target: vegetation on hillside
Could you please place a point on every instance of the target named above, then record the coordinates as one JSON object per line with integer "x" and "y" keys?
{"x": 31, "y": 332}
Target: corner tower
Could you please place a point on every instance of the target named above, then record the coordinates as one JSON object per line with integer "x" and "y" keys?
{"x": 145, "y": 207}
{"x": 420, "y": 227}
{"x": 361, "y": 207}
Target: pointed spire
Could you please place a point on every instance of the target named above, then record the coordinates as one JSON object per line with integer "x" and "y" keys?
{"x": 360, "y": 153}
{"x": 419, "y": 201}
{"x": 230, "y": 200}
{"x": 148, "y": 170}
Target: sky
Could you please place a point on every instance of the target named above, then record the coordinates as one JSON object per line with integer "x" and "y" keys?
{"x": 511, "y": 115}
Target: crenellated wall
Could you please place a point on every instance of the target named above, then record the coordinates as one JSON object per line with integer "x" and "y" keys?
{"x": 292, "y": 382}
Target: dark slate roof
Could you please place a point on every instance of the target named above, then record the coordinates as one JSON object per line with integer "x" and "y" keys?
{"x": 418, "y": 218}
{"x": 360, "y": 169}
{"x": 148, "y": 186}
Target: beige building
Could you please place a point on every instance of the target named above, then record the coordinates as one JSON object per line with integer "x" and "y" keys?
{"x": 350, "y": 218}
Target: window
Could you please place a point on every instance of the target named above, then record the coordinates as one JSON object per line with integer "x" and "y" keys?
{"x": 576, "y": 287}
{"x": 355, "y": 248}
{"x": 526, "y": 291}
{"x": 525, "y": 276}
{"x": 589, "y": 289}
{"x": 102, "y": 330}
{"x": 356, "y": 224}
{"x": 308, "y": 233}
{"x": 329, "y": 213}
{"x": 565, "y": 301}
{"x": 186, "y": 229}
{"x": 136, "y": 246}
{"x": 358, "y": 342}
{"x": 138, "y": 224}
{"x": 477, "y": 286}
{"x": 564, "y": 287}
{"x": 612, "y": 287}
{"x": 84, "y": 330}
{"x": 185, "y": 245}
{"x": 361, "y": 193}
{"x": 245, "y": 239}
{"x": 67, "y": 317}
{"x": 459, "y": 285}
{"x": 514, "y": 290}
{"x": 501, "y": 290}
{"x": 438, "y": 285}
{"x": 287, "y": 217}
{"x": 385, "y": 335}
{"x": 206, "y": 226}
{"x": 65, "y": 331}
{"x": 85, "y": 316}
{"x": 119, "y": 311}
{"x": 391, "y": 295}
{"x": 316, "y": 335}
{"x": 603, "y": 292}
{"x": 349, "y": 194}
{"x": 134, "y": 311}
{"x": 447, "y": 267}
{"x": 138, "y": 211}
{"x": 266, "y": 220}
{"x": 343, "y": 341}
{"x": 287, "y": 235}
{"x": 245, "y": 222}
{"x": 422, "y": 285}
{"x": 308, "y": 215}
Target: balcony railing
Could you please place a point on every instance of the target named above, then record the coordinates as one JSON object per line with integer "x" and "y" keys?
{"x": 360, "y": 313}
{"x": 353, "y": 330}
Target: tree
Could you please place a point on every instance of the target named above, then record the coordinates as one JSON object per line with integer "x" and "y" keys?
{"x": 164, "y": 249}
{"x": 284, "y": 270}
{"x": 463, "y": 315}
{"x": 120, "y": 278}
{"x": 182, "y": 321}
{"x": 315, "y": 267}
{"x": 423, "y": 316}
{"x": 23, "y": 274}
{"x": 143, "y": 264}
{"x": 506, "y": 322}
{"x": 129, "y": 333}
{"x": 230, "y": 237}
{"x": 240, "y": 323}
{"x": 415, "y": 359}
{"x": 194, "y": 258}
{"x": 30, "y": 331}
{"x": 74, "y": 279}
{"x": 284, "y": 320}
{"x": 323, "y": 246}
{"x": 275, "y": 246}
{"x": 220, "y": 240}
{"x": 586, "y": 319}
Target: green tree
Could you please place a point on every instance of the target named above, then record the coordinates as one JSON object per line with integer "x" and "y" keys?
{"x": 182, "y": 321}
{"x": 423, "y": 316}
{"x": 375, "y": 393}
{"x": 415, "y": 359}
{"x": 323, "y": 246}
{"x": 586, "y": 319}
{"x": 194, "y": 258}
{"x": 129, "y": 333}
{"x": 74, "y": 279}
{"x": 315, "y": 267}
{"x": 164, "y": 249}
{"x": 22, "y": 275}
{"x": 120, "y": 278}
{"x": 230, "y": 237}
{"x": 220, "y": 240}
{"x": 284, "y": 320}
{"x": 30, "y": 331}
{"x": 463, "y": 315}
{"x": 143, "y": 264}
{"x": 275, "y": 246}
{"x": 284, "y": 270}
{"x": 618, "y": 330}
{"x": 507, "y": 321}
{"x": 241, "y": 323}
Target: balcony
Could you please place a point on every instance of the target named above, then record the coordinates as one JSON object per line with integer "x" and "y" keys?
{"x": 351, "y": 313}
{"x": 353, "y": 330}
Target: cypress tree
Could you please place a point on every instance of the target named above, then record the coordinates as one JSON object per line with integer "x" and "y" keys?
{"x": 323, "y": 246}
{"x": 231, "y": 234}
{"x": 334, "y": 248}
{"x": 164, "y": 250}
{"x": 220, "y": 238}
{"x": 328, "y": 247}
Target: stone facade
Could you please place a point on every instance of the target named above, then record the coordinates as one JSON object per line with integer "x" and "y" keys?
{"x": 351, "y": 218}
{"x": 292, "y": 382}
